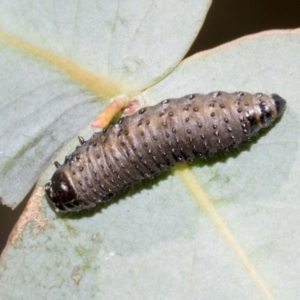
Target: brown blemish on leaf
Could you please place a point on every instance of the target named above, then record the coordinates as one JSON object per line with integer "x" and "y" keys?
{"x": 31, "y": 214}
{"x": 77, "y": 278}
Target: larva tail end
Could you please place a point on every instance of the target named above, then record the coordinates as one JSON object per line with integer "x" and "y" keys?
{"x": 280, "y": 104}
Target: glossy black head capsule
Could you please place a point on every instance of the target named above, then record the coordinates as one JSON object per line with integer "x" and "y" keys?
{"x": 61, "y": 193}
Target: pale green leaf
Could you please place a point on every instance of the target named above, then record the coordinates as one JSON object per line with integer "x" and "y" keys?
{"x": 59, "y": 58}
{"x": 224, "y": 228}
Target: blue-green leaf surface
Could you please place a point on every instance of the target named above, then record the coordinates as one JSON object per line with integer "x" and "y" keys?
{"x": 225, "y": 228}
{"x": 59, "y": 58}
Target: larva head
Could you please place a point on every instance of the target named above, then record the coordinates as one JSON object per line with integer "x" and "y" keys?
{"x": 61, "y": 193}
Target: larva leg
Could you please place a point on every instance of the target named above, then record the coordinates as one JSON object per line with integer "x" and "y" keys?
{"x": 115, "y": 106}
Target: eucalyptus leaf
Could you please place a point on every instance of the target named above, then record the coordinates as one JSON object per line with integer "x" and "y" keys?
{"x": 223, "y": 228}
{"x": 59, "y": 58}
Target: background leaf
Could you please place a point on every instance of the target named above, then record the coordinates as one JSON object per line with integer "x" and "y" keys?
{"x": 52, "y": 61}
{"x": 151, "y": 243}
{"x": 156, "y": 244}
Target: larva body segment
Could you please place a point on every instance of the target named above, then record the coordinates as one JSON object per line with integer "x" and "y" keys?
{"x": 154, "y": 138}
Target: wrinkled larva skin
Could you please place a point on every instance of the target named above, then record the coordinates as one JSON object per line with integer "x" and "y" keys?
{"x": 153, "y": 139}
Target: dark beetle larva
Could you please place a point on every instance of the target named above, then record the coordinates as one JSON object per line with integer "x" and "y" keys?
{"x": 154, "y": 138}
